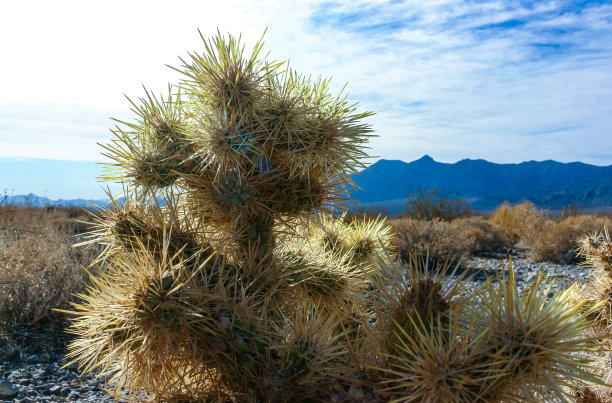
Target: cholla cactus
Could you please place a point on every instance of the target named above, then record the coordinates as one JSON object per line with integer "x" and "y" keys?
{"x": 596, "y": 249}
{"x": 227, "y": 276}
{"x": 444, "y": 343}
{"x": 213, "y": 280}
{"x": 534, "y": 339}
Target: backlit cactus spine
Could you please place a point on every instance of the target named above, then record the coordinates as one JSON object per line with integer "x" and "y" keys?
{"x": 596, "y": 250}
{"x": 227, "y": 277}
{"x": 213, "y": 281}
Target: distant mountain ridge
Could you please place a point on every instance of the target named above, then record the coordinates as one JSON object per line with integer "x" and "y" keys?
{"x": 548, "y": 184}
{"x": 485, "y": 185}
{"x": 32, "y": 200}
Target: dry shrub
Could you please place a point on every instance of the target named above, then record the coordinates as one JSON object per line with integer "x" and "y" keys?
{"x": 68, "y": 220}
{"x": 486, "y": 237}
{"x": 548, "y": 239}
{"x": 556, "y": 238}
{"x": 522, "y": 222}
{"x": 39, "y": 268}
{"x": 441, "y": 240}
{"x": 431, "y": 203}
{"x": 426, "y": 237}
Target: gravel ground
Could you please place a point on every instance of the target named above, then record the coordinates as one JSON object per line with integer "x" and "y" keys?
{"x": 47, "y": 382}
{"x": 527, "y": 271}
{"x": 41, "y": 379}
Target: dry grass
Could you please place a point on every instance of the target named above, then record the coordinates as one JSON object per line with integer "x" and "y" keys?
{"x": 39, "y": 271}
{"x": 557, "y": 237}
{"x": 442, "y": 240}
{"x": 548, "y": 239}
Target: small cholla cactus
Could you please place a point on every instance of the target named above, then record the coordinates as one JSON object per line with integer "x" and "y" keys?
{"x": 228, "y": 275}
{"x": 596, "y": 250}
{"x": 492, "y": 344}
{"x": 533, "y": 339}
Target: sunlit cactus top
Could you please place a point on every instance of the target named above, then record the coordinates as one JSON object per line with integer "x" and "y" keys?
{"x": 242, "y": 138}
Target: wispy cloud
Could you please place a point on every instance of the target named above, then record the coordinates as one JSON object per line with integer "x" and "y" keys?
{"x": 478, "y": 79}
{"x": 52, "y": 131}
{"x": 503, "y": 80}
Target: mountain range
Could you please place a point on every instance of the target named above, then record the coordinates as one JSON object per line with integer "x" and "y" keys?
{"x": 548, "y": 184}
{"x": 386, "y": 184}
{"x": 32, "y": 200}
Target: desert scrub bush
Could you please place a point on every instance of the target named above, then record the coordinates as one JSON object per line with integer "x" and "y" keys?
{"x": 39, "y": 268}
{"x": 523, "y": 221}
{"x": 487, "y": 237}
{"x": 67, "y": 220}
{"x": 557, "y": 237}
{"x": 227, "y": 274}
{"x": 432, "y": 204}
{"x": 548, "y": 239}
{"x": 427, "y": 238}
{"x": 442, "y": 240}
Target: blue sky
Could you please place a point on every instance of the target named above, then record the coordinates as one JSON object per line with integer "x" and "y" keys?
{"x": 507, "y": 81}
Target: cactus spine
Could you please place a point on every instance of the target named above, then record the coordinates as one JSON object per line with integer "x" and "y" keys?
{"x": 227, "y": 276}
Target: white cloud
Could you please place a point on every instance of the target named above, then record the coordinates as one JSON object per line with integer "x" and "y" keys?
{"x": 443, "y": 80}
